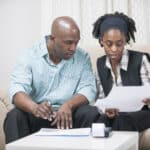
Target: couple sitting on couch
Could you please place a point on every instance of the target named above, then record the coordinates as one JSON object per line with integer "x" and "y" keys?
{"x": 53, "y": 81}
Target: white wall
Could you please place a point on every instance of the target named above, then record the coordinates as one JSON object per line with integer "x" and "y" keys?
{"x": 20, "y": 27}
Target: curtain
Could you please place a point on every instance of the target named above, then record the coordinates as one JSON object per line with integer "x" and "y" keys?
{"x": 85, "y": 12}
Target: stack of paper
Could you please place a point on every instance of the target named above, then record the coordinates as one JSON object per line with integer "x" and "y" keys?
{"x": 66, "y": 132}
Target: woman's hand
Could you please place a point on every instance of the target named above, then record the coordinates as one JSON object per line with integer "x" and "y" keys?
{"x": 111, "y": 112}
{"x": 146, "y": 101}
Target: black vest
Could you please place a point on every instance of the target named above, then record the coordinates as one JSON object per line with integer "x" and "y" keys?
{"x": 130, "y": 77}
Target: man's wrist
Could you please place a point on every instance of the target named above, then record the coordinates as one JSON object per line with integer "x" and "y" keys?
{"x": 69, "y": 104}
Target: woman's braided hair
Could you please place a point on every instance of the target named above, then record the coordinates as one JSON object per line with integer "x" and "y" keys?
{"x": 129, "y": 21}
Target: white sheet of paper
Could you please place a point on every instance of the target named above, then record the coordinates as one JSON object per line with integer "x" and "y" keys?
{"x": 125, "y": 98}
{"x": 66, "y": 132}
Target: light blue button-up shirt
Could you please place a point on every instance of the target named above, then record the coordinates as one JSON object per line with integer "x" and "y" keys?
{"x": 36, "y": 75}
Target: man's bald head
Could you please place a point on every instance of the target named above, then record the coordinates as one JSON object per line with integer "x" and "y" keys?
{"x": 64, "y": 38}
{"x": 64, "y": 25}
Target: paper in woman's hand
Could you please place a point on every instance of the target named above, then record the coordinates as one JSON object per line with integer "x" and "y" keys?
{"x": 126, "y": 98}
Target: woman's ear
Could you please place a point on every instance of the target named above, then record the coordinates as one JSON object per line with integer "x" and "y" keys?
{"x": 101, "y": 41}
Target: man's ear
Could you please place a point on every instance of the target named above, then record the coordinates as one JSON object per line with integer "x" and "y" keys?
{"x": 52, "y": 37}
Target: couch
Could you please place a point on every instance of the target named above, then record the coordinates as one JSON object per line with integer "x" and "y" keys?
{"x": 5, "y": 105}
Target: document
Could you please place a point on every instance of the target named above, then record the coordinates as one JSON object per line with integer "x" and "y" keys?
{"x": 125, "y": 98}
{"x": 65, "y": 132}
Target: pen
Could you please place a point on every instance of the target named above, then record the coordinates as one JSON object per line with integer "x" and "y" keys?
{"x": 49, "y": 102}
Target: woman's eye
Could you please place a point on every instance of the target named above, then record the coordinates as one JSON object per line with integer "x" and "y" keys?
{"x": 109, "y": 44}
{"x": 119, "y": 44}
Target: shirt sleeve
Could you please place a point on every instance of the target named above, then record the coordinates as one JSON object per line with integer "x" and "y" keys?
{"x": 21, "y": 77}
{"x": 145, "y": 71}
{"x": 87, "y": 83}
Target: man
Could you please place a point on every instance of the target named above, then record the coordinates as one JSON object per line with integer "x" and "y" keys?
{"x": 50, "y": 81}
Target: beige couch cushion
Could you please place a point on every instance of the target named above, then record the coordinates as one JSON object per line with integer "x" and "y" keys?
{"x": 144, "y": 142}
{"x": 4, "y": 108}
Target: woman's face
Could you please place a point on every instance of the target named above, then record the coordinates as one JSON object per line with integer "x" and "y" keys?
{"x": 113, "y": 41}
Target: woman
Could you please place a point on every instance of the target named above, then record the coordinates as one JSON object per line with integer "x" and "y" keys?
{"x": 119, "y": 67}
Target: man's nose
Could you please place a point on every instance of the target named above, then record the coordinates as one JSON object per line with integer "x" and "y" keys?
{"x": 73, "y": 46}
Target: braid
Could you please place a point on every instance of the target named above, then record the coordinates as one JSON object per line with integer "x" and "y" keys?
{"x": 129, "y": 21}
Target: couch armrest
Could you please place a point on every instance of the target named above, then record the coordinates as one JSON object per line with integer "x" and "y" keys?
{"x": 5, "y": 99}
{"x": 144, "y": 140}
{"x": 5, "y": 106}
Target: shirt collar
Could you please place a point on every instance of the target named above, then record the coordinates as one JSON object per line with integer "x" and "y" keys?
{"x": 123, "y": 63}
{"x": 44, "y": 52}
{"x": 43, "y": 47}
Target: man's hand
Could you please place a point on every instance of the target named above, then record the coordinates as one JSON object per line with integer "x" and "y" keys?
{"x": 111, "y": 112}
{"x": 146, "y": 101}
{"x": 43, "y": 110}
{"x": 63, "y": 118}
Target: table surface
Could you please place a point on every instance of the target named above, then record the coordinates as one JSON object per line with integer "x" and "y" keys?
{"x": 119, "y": 140}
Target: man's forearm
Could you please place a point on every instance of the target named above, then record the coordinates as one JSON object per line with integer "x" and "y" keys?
{"x": 77, "y": 101}
{"x": 24, "y": 102}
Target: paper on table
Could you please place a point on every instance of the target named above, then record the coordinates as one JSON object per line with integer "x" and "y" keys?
{"x": 125, "y": 98}
{"x": 66, "y": 132}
